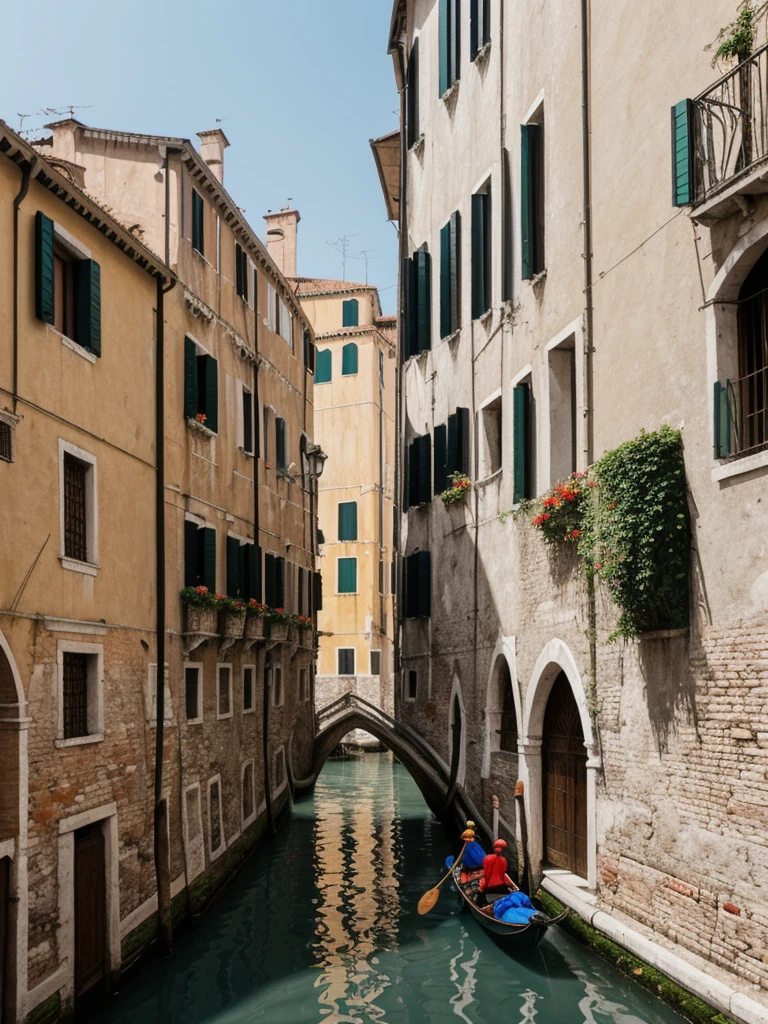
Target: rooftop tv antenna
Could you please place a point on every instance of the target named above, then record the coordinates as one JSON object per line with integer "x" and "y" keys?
{"x": 342, "y": 245}
{"x": 367, "y": 256}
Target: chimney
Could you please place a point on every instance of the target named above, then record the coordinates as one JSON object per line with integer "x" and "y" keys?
{"x": 212, "y": 146}
{"x": 282, "y": 228}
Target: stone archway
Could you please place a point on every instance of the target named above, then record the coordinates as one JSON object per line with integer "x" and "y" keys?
{"x": 503, "y": 669}
{"x": 556, "y": 663}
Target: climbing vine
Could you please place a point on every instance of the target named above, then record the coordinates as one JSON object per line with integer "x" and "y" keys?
{"x": 737, "y": 39}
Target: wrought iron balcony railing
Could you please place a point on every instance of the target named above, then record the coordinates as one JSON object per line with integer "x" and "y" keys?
{"x": 741, "y": 415}
{"x": 730, "y": 126}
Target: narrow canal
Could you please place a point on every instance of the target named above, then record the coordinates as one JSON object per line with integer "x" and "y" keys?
{"x": 321, "y": 926}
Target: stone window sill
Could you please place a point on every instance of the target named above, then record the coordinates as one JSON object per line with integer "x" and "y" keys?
{"x": 451, "y": 91}
{"x": 418, "y": 145}
{"x": 74, "y": 565}
{"x": 79, "y": 741}
{"x": 200, "y": 428}
{"x": 738, "y": 467}
{"x": 73, "y": 345}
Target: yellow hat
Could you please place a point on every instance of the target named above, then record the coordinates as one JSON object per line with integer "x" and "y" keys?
{"x": 471, "y": 824}
{"x": 468, "y": 835}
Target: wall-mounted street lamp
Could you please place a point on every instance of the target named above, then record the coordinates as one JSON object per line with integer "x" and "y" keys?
{"x": 315, "y": 461}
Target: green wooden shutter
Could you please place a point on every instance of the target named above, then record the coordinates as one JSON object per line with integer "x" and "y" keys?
{"x": 197, "y": 221}
{"x": 349, "y": 360}
{"x": 440, "y": 472}
{"x": 280, "y": 582}
{"x": 209, "y": 559}
{"x": 233, "y": 567}
{"x": 190, "y": 379}
{"x": 529, "y": 141}
{"x": 423, "y": 263}
{"x": 247, "y": 421}
{"x": 455, "y": 263}
{"x": 444, "y": 30}
{"x": 507, "y": 229}
{"x": 347, "y": 520}
{"x": 323, "y": 367}
{"x": 446, "y": 323}
{"x": 480, "y": 271}
{"x": 425, "y": 469}
{"x": 269, "y": 580}
{"x": 281, "y": 458}
{"x": 88, "y": 304}
{"x": 682, "y": 154}
{"x": 347, "y": 575}
{"x": 412, "y": 470}
{"x": 44, "y": 290}
{"x": 300, "y": 605}
{"x": 475, "y": 28}
{"x": 452, "y": 452}
{"x": 424, "y": 584}
{"x": 722, "y": 421}
{"x": 412, "y": 96}
{"x": 521, "y": 436}
{"x": 211, "y": 394}
{"x": 190, "y": 554}
{"x": 350, "y": 313}
{"x": 317, "y": 592}
{"x": 462, "y": 450}
{"x": 454, "y": 41}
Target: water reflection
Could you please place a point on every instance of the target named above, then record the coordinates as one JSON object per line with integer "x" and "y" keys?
{"x": 321, "y": 926}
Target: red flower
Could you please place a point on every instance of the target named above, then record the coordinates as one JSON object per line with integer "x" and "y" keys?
{"x": 592, "y": 483}
{"x": 612, "y": 505}
{"x": 201, "y": 590}
{"x": 575, "y": 533}
{"x": 598, "y": 565}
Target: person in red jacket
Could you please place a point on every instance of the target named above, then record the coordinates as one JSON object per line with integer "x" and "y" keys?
{"x": 495, "y": 878}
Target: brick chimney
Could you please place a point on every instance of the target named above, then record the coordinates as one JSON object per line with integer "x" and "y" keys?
{"x": 282, "y": 228}
{"x": 212, "y": 146}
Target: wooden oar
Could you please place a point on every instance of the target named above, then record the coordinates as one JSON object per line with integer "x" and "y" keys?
{"x": 429, "y": 899}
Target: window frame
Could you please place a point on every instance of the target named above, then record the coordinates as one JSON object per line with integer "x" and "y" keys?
{"x": 245, "y": 821}
{"x": 490, "y": 455}
{"x": 168, "y": 718}
{"x": 95, "y": 693}
{"x": 346, "y": 539}
{"x": 228, "y": 714}
{"x": 339, "y": 560}
{"x": 198, "y": 666}
{"x": 482, "y": 249}
{"x": 214, "y": 853}
{"x": 411, "y": 675}
{"x": 245, "y": 390}
{"x": 377, "y": 651}
{"x": 91, "y": 566}
{"x": 198, "y": 223}
{"x": 10, "y": 421}
{"x": 346, "y": 650}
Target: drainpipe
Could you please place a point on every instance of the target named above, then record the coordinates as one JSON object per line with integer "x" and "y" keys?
{"x": 161, "y": 843}
{"x": 25, "y": 178}
{"x": 397, "y": 611}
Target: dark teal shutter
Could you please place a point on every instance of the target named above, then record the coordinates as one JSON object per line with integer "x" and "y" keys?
{"x": 475, "y": 28}
{"x": 280, "y": 582}
{"x": 281, "y": 458}
{"x": 412, "y": 96}
{"x": 455, "y": 263}
{"x": 424, "y": 583}
{"x": 309, "y": 352}
{"x": 233, "y": 567}
{"x": 446, "y": 324}
{"x": 347, "y": 520}
{"x": 529, "y": 154}
{"x": 350, "y": 313}
{"x": 481, "y": 268}
{"x": 454, "y": 41}
{"x": 682, "y": 153}
{"x": 209, "y": 559}
{"x": 300, "y": 606}
{"x": 190, "y": 554}
{"x": 211, "y": 394}
{"x": 444, "y": 30}
{"x": 411, "y": 588}
{"x": 247, "y": 421}
{"x": 452, "y": 452}
{"x": 440, "y": 471}
{"x": 44, "y": 291}
{"x": 317, "y": 592}
{"x": 423, "y": 263}
{"x": 190, "y": 379}
{"x": 425, "y": 469}
{"x": 197, "y": 221}
{"x": 507, "y": 230}
{"x": 522, "y": 442}
{"x": 349, "y": 360}
{"x": 411, "y": 308}
{"x": 347, "y": 575}
{"x": 412, "y": 470}
{"x": 462, "y": 462}
{"x": 269, "y": 580}
{"x": 323, "y": 367}
{"x": 254, "y": 572}
{"x": 722, "y": 421}
{"x": 88, "y": 284}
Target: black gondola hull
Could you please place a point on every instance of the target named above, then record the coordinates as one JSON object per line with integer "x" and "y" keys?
{"x": 522, "y": 937}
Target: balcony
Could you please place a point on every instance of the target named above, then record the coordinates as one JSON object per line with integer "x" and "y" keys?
{"x": 729, "y": 140}
{"x": 741, "y": 416}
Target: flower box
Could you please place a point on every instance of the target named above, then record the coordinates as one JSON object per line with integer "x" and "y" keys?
{"x": 200, "y": 620}
{"x": 278, "y": 630}
{"x": 305, "y": 638}
{"x": 254, "y": 627}
{"x": 232, "y": 624}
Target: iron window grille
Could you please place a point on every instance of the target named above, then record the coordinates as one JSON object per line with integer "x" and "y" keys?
{"x": 75, "y": 694}
{"x": 75, "y": 508}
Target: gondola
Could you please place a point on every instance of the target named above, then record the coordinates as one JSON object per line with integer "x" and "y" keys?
{"x": 520, "y": 936}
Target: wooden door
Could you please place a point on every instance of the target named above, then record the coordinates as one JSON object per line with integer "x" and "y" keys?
{"x": 565, "y": 782}
{"x": 90, "y": 909}
{"x": 5, "y": 880}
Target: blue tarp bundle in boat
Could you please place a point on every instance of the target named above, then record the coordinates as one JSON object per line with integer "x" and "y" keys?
{"x": 514, "y": 909}
{"x": 473, "y": 857}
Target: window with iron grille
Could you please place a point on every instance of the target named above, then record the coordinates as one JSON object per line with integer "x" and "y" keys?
{"x": 6, "y": 442}
{"x": 75, "y": 694}
{"x": 346, "y": 657}
{"x": 75, "y": 508}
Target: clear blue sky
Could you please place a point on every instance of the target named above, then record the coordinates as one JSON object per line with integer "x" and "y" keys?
{"x": 300, "y": 85}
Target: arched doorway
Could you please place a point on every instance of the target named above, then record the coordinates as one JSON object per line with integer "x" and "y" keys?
{"x": 564, "y": 789}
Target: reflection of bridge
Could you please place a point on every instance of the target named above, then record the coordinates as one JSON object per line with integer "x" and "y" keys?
{"x": 435, "y": 778}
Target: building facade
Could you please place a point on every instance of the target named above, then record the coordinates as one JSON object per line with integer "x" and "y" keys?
{"x": 557, "y": 300}
{"x": 151, "y": 409}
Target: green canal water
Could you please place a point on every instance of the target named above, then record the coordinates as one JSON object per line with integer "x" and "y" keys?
{"x": 321, "y": 926}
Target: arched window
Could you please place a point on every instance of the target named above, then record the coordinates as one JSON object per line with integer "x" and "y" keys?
{"x": 349, "y": 360}
{"x": 323, "y": 367}
{"x": 749, "y": 394}
{"x": 508, "y": 730}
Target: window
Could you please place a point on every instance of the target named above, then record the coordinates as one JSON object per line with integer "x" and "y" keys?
{"x": 418, "y": 304}
{"x": 214, "y": 811}
{"x": 451, "y": 448}
{"x": 375, "y": 663}
{"x": 277, "y": 686}
{"x": 346, "y": 661}
{"x": 199, "y": 556}
{"x": 479, "y": 26}
{"x": 317, "y": 592}
{"x": 152, "y": 697}
{"x": 78, "y": 518}
{"x": 265, "y": 433}
{"x": 562, "y": 410}
{"x": 508, "y": 731}
{"x": 418, "y": 586}
{"x": 201, "y": 386}
{"x": 441, "y": 454}
{"x": 303, "y": 685}
{"x": 349, "y": 360}
{"x": 193, "y": 829}
{"x": 281, "y": 457}
{"x": 450, "y": 22}
{"x": 274, "y": 581}
{"x": 224, "y": 694}
{"x": 450, "y": 276}
{"x": 249, "y": 674}
{"x": 490, "y": 438}
{"x": 67, "y": 286}
{"x": 6, "y": 440}
{"x": 249, "y": 801}
{"x": 411, "y": 684}
{"x": 323, "y": 367}
{"x": 272, "y": 313}
{"x": 247, "y": 409}
{"x": 482, "y": 280}
{"x": 241, "y": 271}
{"x": 412, "y": 97}
{"x": 279, "y": 771}
{"x": 285, "y": 322}
{"x": 243, "y": 569}
{"x": 198, "y": 209}
{"x": 532, "y": 199}
{"x": 350, "y": 313}
{"x": 523, "y": 442}
{"x": 80, "y": 692}
{"x": 193, "y": 693}
{"x": 347, "y": 576}
{"x": 347, "y": 520}
{"x": 419, "y": 471}
{"x": 309, "y": 352}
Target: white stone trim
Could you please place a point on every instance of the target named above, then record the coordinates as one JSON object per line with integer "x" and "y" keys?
{"x": 73, "y": 346}
{"x": 214, "y": 853}
{"x": 73, "y": 245}
{"x": 747, "y": 464}
{"x": 54, "y": 625}
{"x": 505, "y": 648}
{"x": 95, "y": 693}
{"x": 92, "y": 508}
{"x": 527, "y": 371}
{"x": 194, "y": 859}
{"x": 151, "y": 712}
{"x": 533, "y": 109}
